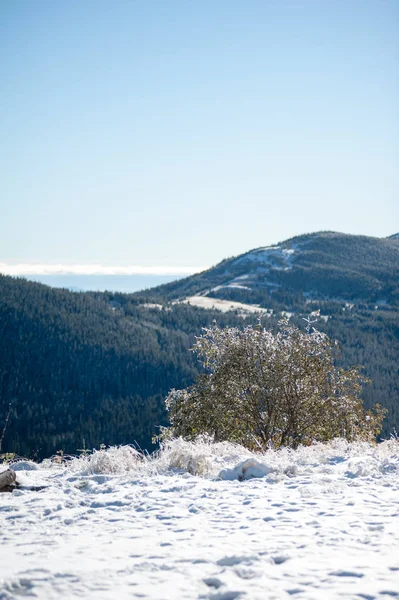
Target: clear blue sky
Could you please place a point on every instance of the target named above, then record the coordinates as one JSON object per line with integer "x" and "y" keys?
{"x": 162, "y": 132}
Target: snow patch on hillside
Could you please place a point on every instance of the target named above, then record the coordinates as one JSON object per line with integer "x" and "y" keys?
{"x": 152, "y": 305}
{"x": 232, "y": 285}
{"x": 275, "y": 257}
{"x": 223, "y": 305}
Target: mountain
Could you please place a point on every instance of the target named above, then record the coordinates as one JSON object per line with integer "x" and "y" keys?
{"x": 321, "y": 266}
{"x": 82, "y": 369}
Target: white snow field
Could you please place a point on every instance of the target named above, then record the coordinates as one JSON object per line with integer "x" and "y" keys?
{"x": 205, "y": 520}
{"x": 224, "y": 305}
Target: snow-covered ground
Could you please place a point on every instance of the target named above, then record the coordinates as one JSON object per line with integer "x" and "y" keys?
{"x": 224, "y": 305}
{"x": 208, "y": 521}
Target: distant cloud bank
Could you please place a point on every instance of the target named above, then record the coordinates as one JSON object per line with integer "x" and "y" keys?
{"x": 59, "y": 269}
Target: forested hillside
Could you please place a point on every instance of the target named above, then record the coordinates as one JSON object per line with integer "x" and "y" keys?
{"x": 88, "y": 367}
{"x": 91, "y": 368}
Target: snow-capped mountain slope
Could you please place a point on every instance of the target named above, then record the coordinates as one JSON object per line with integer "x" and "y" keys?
{"x": 323, "y": 265}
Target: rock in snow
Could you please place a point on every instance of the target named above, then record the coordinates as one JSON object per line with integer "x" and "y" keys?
{"x": 7, "y": 480}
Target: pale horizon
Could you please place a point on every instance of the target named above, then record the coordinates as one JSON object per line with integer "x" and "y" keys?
{"x": 22, "y": 269}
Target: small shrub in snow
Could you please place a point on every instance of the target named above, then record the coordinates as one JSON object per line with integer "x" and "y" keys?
{"x": 266, "y": 390}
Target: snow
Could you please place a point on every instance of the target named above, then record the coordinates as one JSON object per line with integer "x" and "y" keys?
{"x": 203, "y": 520}
{"x": 230, "y": 285}
{"x": 274, "y": 257}
{"x": 287, "y": 314}
{"x": 259, "y": 264}
{"x": 242, "y": 277}
{"x": 223, "y": 305}
{"x": 152, "y": 305}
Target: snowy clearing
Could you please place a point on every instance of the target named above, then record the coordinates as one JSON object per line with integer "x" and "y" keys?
{"x": 223, "y": 305}
{"x": 319, "y": 522}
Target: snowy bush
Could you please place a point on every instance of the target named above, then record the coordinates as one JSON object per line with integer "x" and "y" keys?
{"x": 262, "y": 390}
